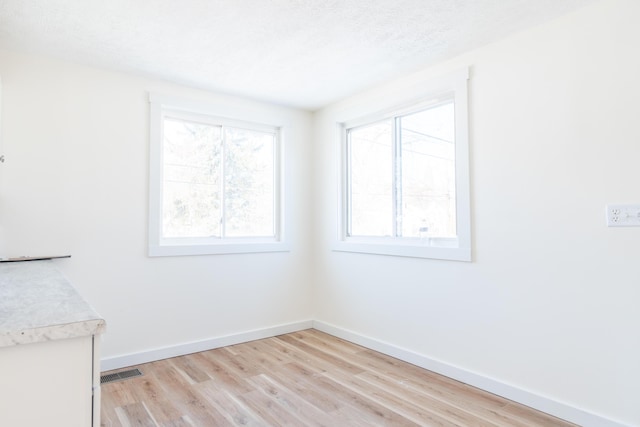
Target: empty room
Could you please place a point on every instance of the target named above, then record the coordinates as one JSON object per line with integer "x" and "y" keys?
{"x": 319, "y": 213}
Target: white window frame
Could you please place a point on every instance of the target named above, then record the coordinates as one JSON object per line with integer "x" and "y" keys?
{"x": 454, "y": 87}
{"x": 163, "y": 106}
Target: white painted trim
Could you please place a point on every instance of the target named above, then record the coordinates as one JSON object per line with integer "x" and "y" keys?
{"x": 449, "y": 87}
{"x": 163, "y": 106}
{"x": 525, "y": 397}
{"x": 131, "y": 359}
{"x": 247, "y": 247}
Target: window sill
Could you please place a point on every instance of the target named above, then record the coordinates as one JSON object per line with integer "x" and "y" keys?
{"x": 401, "y": 249}
{"x": 217, "y": 249}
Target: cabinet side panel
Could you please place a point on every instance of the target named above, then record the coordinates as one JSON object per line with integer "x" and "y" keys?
{"x": 46, "y": 384}
{"x": 97, "y": 392}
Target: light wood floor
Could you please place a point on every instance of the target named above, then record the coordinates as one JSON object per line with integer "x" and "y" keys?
{"x": 305, "y": 378}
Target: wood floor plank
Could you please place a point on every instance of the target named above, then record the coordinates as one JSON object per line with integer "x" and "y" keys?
{"x": 220, "y": 373}
{"x": 260, "y": 355}
{"x": 182, "y": 394}
{"x": 190, "y": 370}
{"x": 270, "y": 410}
{"x": 446, "y": 411}
{"x": 429, "y": 398}
{"x": 367, "y": 359}
{"x": 423, "y": 379}
{"x": 135, "y": 415}
{"x": 290, "y": 352}
{"x": 334, "y": 361}
{"x": 183, "y": 421}
{"x": 368, "y": 409}
{"x": 536, "y": 418}
{"x": 236, "y": 362}
{"x": 435, "y": 413}
{"x": 306, "y": 378}
{"x": 294, "y": 377}
{"x": 147, "y": 389}
{"x": 230, "y": 405}
{"x": 293, "y": 402}
{"x": 334, "y": 346}
{"x": 119, "y": 395}
{"x": 381, "y": 362}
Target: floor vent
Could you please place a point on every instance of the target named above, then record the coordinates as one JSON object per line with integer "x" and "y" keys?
{"x": 123, "y": 375}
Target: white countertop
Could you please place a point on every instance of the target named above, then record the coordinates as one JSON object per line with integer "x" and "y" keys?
{"x": 37, "y": 303}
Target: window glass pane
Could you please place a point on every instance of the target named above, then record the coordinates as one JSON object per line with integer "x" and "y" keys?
{"x": 191, "y": 179}
{"x": 249, "y": 183}
{"x": 427, "y": 186}
{"x": 370, "y": 167}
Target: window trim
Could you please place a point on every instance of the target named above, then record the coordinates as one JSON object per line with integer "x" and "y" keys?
{"x": 161, "y": 106}
{"x": 454, "y": 87}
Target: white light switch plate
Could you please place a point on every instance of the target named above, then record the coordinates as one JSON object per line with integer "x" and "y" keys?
{"x": 623, "y": 215}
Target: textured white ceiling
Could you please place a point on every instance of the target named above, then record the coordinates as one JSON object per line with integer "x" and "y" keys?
{"x": 301, "y": 53}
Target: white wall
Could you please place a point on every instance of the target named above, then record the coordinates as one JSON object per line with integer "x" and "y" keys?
{"x": 548, "y": 306}
{"x": 76, "y": 179}
{"x": 550, "y": 303}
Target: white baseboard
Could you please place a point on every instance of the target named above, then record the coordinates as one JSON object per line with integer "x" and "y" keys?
{"x": 118, "y": 362}
{"x": 533, "y": 400}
